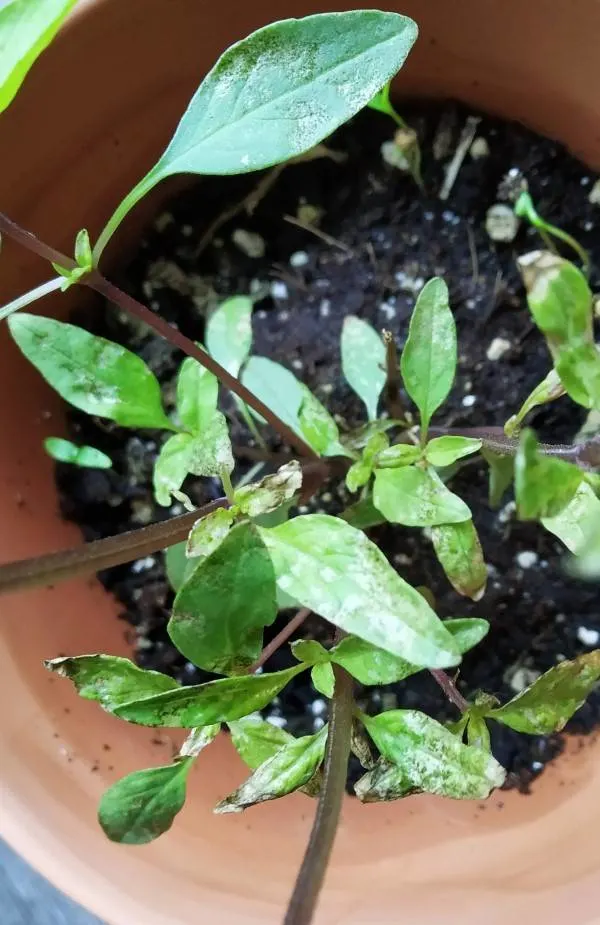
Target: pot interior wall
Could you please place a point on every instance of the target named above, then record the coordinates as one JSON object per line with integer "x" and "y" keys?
{"x": 94, "y": 113}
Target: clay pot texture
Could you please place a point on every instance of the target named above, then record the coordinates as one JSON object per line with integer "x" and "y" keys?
{"x": 91, "y": 118}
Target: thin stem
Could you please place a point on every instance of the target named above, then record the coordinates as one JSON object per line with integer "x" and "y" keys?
{"x": 316, "y": 859}
{"x": 29, "y": 241}
{"x": 585, "y": 455}
{"x": 394, "y": 402}
{"x": 450, "y": 689}
{"x": 281, "y": 638}
{"x": 32, "y": 296}
{"x": 227, "y": 486}
{"x": 101, "y": 554}
{"x": 123, "y": 209}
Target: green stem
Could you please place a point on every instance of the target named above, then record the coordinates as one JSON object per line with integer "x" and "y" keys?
{"x": 32, "y": 296}
{"x": 316, "y": 859}
{"x": 525, "y": 208}
{"x": 227, "y": 486}
{"x": 122, "y": 210}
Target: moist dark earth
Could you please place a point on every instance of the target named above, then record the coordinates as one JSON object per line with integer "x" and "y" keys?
{"x": 371, "y": 240}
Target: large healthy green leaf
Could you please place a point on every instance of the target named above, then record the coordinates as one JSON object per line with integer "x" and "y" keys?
{"x": 278, "y": 93}
{"x": 197, "y": 396}
{"x": 460, "y": 554}
{"x": 143, "y": 805}
{"x": 26, "y": 28}
{"x": 363, "y": 361}
{"x": 575, "y": 524}
{"x": 291, "y": 768}
{"x": 270, "y": 493}
{"x": 428, "y": 361}
{"x": 277, "y": 387}
{"x": 219, "y": 614}
{"x": 207, "y": 534}
{"x": 319, "y": 428}
{"x": 89, "y": 372}
{"x": 84, "y": 456}
{"x": 256, "y": 740}
{"x": 416, "y": 497}
{"x": 336, "y": 571}
{"x": 371, "y": 665}
{"x": 229, "y": 333}
{"x": 109, "y": 679}
{"x": 204, "y": 704}
{"x": 421, "y": 755}
{"x": 550, "y": 702}
{"x": 544, "y": 486}
{"x": 443, "y": 451}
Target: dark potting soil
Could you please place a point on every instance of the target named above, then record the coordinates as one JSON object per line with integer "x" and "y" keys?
{"x": 373, "y": 241}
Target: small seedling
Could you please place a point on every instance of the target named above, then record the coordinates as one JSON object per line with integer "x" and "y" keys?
{"x": 236, "y": 562}
{"x": 405, "y": 142}
{"x": 524, "y": 208}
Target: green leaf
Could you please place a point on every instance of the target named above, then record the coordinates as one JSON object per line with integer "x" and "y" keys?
{"x": 550, "y": 702}
{"x": 428, "y": 362}
{"x": 310, "y": 652}
{"x": 270, "y": 493}
{"x": 277, "y": 387}
{"x": 416, "y": 497}
{"x": 229, "y": 333}
{"x": 83, "y": 250}
{"x": 478, "y": 733}
{"x": 360, "y": 472}
{"x": 575, "y": 523}
{"x": 219, "y": 614}
{"x": 358, "y": 438}
{"x": 319, "y": 428}
{"x": 172, "y": 466}
{"x": 290, "y": 768}
{"x": 89, "y": 372}
{"x": 256, "y": 740}
{"x": 381, "y": 102}
{"x": 444, "y": 451}
{"x": 549, "y": 389}
{"x": 425, "y": 757}
{"x": 371, "y": 665}
{"x": 579, "y": 369}
{"x": 177, "y": 565}
{"x": 110, "y": 680}
{"x": 337, "y": 572}
{"x": 501, "y": 474}
{"x": 197, "y": 396}
{"x": 84, "y": 456}
{"x": 363, "y": 361}
{"x": 208, "y": 533}
{"x": 143, "y": 805}
{"x": 203, "y": 704}
{"x": 363, "y": 515}
{"x": 26, "y": 28}
{"x": 323, "y": 679}
{"x": 586, "y": 565}
{"x": 401, "y": 454}
{"x": 459, "y": 552}
{"x": 543, "y": 485}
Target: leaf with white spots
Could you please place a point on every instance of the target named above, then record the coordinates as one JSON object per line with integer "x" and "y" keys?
{"x": 229, "y": 333}
{"x": 459, "y": 552}
{"x": 360, "y": 472}
{"x": 337, "y": 572}
{"x": 319, "y": 428}
{"x": 363, "y": 361}
{"x": 551, "y": 701}
{"x": 208, "y": 533}
{"x": 421, "y": 755}
{"x": 576, "y": 522}
{"x": 428, "y": 361}
{"x": 416, "y": 497}
{"x": 270, "y": 493}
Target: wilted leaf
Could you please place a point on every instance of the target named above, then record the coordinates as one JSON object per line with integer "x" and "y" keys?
{"x": 363, "y": 361}
{"x": 548, "y": 390}
{"x": 208, "y": 533}
{"x": 204, "y": 704}
{"x": 416, "y": 497}
{"x": 550, "y": 702}
{"x": 219, "y": 614}
{"x": 89, "y": 372}
{"x": 543, "y": 485}
{"x": 426, "y": 757}
{"x": 443, "y": 451}
{"x": 459, "y": 552}
{"x": 84, "y": 456}
{"x": 575, "y": 524}
{"x": 360, "y": 746}
{"x": 143, "y": 805}
{"x": 271, "y": 492}
{"x": 371, "y": 665}
{"x": 109, "y": 679}
{"x": 229, "y": 333}
{"x": 337, "y": 572}
{"x": 428, "y": 361}
{"x": 290, "y": 768}
{"x": 197, "y": 740}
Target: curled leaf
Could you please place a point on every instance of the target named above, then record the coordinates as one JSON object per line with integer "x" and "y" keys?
{"x": 109, "y": 679}
{"x": 271, "y": 492}
{"x": 208, "y": 533}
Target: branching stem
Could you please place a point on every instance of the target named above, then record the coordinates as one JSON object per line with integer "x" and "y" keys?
{"x": 450, "y": 689}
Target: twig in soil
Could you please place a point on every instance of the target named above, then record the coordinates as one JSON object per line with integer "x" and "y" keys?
{"x": 281, "y": 638}
{"x": 314, "y": 866}
{"x": 474, "y": 257}
{"x": 450, "y": 689}
{"x": 392, "y": 387}
{"x": 100, "y": 554}
{"x": 327, "y": 238}
{"x": 453, "y": 168}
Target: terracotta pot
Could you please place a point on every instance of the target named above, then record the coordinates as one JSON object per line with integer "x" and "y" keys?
{"x": 92, "y": 116}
